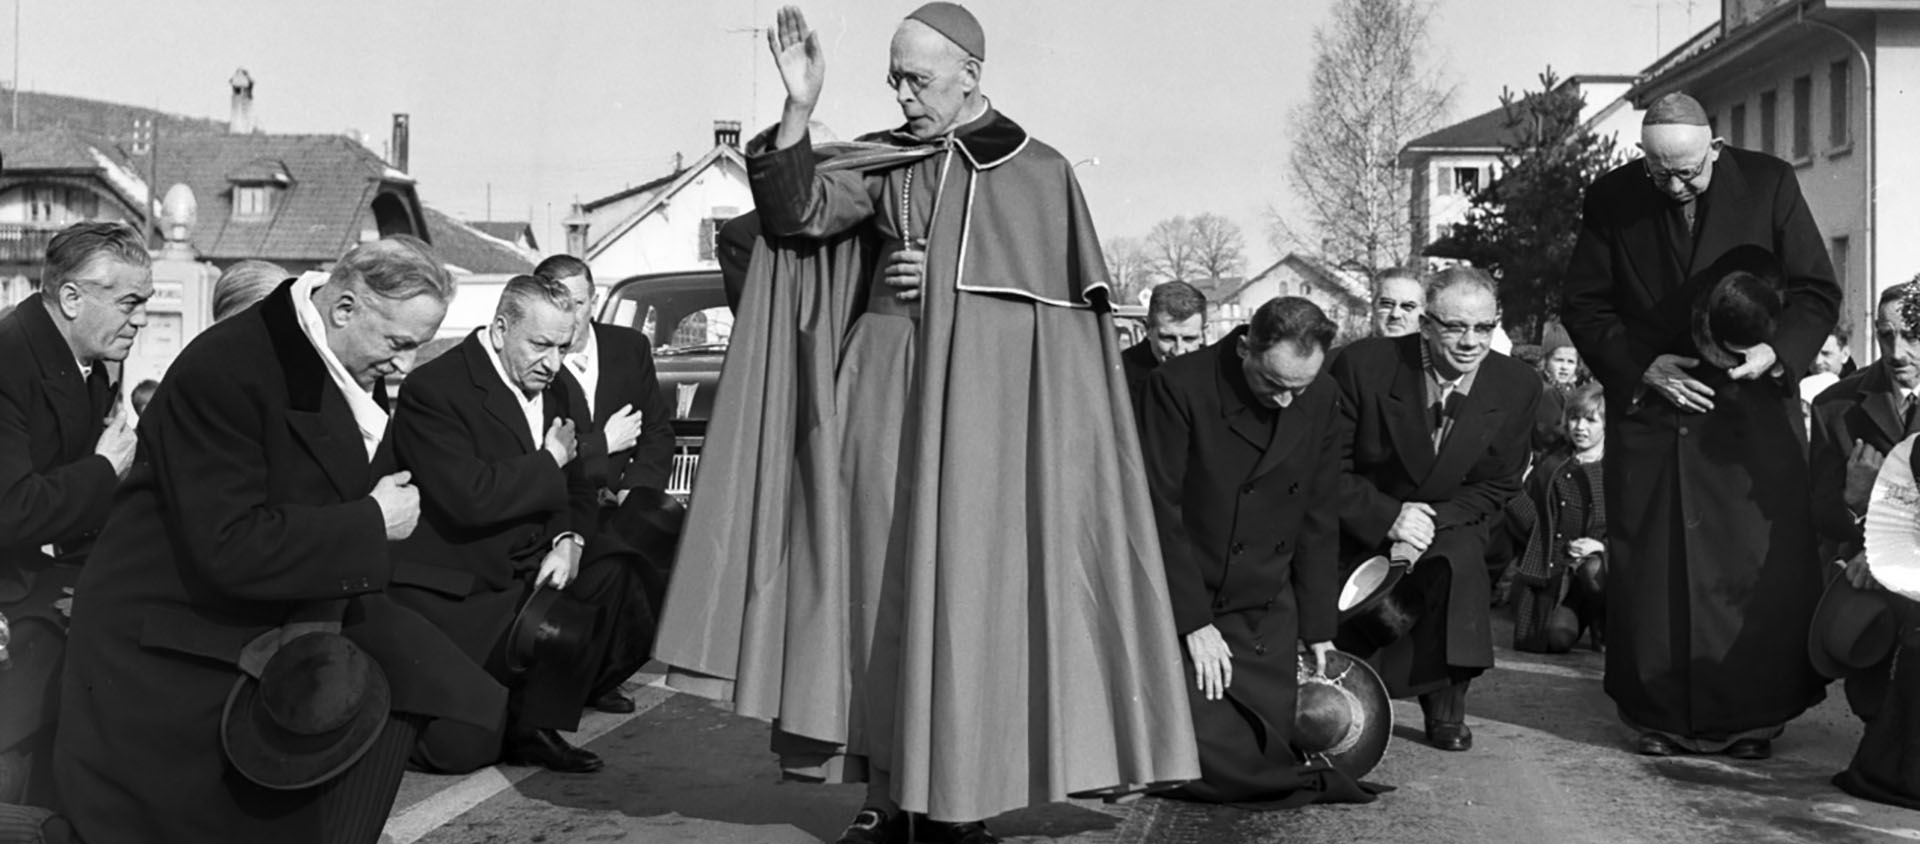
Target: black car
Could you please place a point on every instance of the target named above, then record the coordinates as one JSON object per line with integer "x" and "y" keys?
{"x": 686, "y": 318}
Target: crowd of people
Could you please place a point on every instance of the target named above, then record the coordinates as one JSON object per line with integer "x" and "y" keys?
{"x": 947, "y": 536}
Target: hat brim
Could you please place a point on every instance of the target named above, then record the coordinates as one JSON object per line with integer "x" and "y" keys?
{"x": 270, "y": 760}
{"x": 1838, "y": 590}
{"x": 1375, "y": 715}
{"x": 577, "y": 621}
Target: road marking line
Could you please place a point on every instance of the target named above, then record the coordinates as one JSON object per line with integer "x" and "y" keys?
{"x": 1549, "y": 670}
{"x": 1832, "y": 809}
{"x": 440, "y": 808}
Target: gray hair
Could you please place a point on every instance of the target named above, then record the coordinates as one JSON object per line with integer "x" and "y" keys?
{"x": 396, "y": 267}
{"x": 524, "y": 289}
{"x": 1452, "y": 277}
{"x": 1391, "y": 273}
{"x": 77, "y": 246}
{"x": 243, "y": 284}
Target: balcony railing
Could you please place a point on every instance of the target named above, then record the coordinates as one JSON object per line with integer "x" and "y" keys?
{"x": 25, "y": 243}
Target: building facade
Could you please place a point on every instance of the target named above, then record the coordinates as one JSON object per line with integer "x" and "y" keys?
{"x": 667, "y": 224}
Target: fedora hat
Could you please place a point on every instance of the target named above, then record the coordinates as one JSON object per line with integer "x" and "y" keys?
{"x": 1344, "y": 717}
{"x": 550, "y": 625}
{"x": 651, "y": 520}
{"x": 1852, "y": 629}
{"x": 315, "y": 708}
{"x": 1378, "y": 604}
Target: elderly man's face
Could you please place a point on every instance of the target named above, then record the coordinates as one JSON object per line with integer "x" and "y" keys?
{"x": 1679, "y": 159}
{"x": 1899, "y": 348}
{"x": 931, "y": 78}
{"x": 1170, "y": 338}
{"x": 1278, "y": 374}
{"x": 1397, "y": 307}
{"x": 375, "y": 337}
{"x": 1459, "y": 328}
{"x": 530, "y": 347}
{"x": 105, "y": 305}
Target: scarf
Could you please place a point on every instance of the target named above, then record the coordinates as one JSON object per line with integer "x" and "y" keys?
{"x": 367, "y": 413}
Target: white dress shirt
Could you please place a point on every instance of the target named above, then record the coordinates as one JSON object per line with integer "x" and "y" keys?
{"x": 585, "y": 366}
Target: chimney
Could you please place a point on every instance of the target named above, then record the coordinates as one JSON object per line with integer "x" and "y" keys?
{"x": 726, "y": 133}
{"x": 240, "y": 118}
{"x": 399, "y": 151}
{"x": 576, "y": 225}
{"x": 679, "y": 163}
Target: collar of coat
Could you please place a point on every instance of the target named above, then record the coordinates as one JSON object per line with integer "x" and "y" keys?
{"x": 50, "y": 350}
{"x": 306, "y": 373}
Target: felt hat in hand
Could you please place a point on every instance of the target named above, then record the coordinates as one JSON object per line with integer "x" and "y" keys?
{"x": 316, "y": 706}
{"x": 1852, "y": 630}
{"x": 1343, "y": 717}
{"x": 550, "y": 626}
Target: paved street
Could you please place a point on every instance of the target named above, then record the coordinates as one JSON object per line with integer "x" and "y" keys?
{"x": 1549, "y": 764}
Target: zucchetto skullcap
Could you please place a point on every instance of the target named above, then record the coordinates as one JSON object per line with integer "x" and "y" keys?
{"x": 1675, "y": 109}
{"x": 955, "y": 22}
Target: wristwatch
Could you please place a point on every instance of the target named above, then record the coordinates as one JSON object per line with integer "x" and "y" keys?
{"x": 570, "y": 536}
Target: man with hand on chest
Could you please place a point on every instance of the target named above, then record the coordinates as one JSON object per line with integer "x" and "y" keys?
{"x": 506, "y": 510}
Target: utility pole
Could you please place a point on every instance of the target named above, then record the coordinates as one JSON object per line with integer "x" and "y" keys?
{"x": 16, "y": 65}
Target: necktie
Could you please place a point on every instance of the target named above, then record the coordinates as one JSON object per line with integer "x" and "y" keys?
{"x": 1443, "y": 411}
{"x": 1907, "y": 416}
{"x": 577, "y": 362}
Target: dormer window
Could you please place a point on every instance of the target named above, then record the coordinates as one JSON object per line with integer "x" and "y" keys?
{"x": 257, "y": 188}
{"x": 252, "y": 202}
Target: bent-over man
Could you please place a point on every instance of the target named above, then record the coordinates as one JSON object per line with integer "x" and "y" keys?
{"x": 1707, "y": 507}
{"x": 264, "y": 493}
{"x": 1438, "y": 437}
{"x": 1241, "y": 447}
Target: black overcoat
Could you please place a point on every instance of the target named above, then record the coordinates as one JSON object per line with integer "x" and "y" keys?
{"x": 1389, "y": 459}
{"x": 53, "y": 490}
{"x": 249, "y": 500}
{"x": 1864, "y": 406}
{"x": 492, "y": 500}
{"x": 627, "y": 377}
{"x": 1714, "y": 572}
{"x": 1250, "y": 537}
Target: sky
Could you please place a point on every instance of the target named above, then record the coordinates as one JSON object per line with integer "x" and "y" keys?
{"x": 520, "y": 108}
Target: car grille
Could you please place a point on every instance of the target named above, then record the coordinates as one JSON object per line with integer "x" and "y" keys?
{"x": 686, "y": 459}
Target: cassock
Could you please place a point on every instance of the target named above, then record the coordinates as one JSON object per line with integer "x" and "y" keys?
{"x": 251, "y": 499}
{"x": 1239, "y": 492}
{"x": 618, "y": 364}
{"x": 1708, "y": 513}
{"x": 54, "y": 490}
{"x": 492, "y": 503}
{"x": 1390, "y": 458}
{"x": 920, "y": 528}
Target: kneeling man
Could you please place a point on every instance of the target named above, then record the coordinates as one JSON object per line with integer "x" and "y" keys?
{"x": 1438, "y": 430}
{"x": 1240, "y": 444}
{"x": 505, "y": 510}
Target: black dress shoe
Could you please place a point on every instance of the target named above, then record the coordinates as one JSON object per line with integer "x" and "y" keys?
{"x": 941, "y": 832}
{"x": 1751, "y": 749}
{"x": 545, "y": 748}
{"x": 1452, "y": 737}
{"x": 614, "y": 702}
{"x": 1655, "y": 744}
{"x": 874, "y": 826}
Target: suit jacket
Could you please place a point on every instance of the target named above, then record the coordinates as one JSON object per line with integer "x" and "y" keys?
{"x": 1388, "y": 457}
{"x": 249, "y": 501}
{"x": 626, "y": 378}
{"x": 53, "y": 488}
{"x": 1635, "y": 271}
{"x": 1140, "y": 363}
{"x": 1863, "y": 406}
{"x": 492, "y": 501}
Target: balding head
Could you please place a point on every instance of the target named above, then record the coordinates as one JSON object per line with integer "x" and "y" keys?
{"x": 1679, "y": 147}
{"x": 934, "y": 79}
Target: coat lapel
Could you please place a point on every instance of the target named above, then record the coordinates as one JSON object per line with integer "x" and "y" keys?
{"x": 1879, "y": 403}
{"x": 497, "y": 396}
{"x": 1405, "y": 412}
{"x": 1718, "y": 232}
{"x": 1235, "y": 397}
{"x": 317, "y": 414}
{"x": 1480, "y": 415}
{"x": 66, "y": 394}
{"x": 605, "y": 392}
{"x": 1288, "y": 431}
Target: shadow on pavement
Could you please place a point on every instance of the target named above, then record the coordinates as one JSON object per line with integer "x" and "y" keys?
{"x": 688, "y": 756}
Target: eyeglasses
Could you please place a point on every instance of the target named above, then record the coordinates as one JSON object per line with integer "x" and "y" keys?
{"x": 1688, "y": 174}
{"x": 1389, "y": 305}
{"x": 1455, "y": 330}
{"x": 916, "y": 82}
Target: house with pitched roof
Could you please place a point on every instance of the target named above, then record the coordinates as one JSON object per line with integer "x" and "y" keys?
{"x": 1342, "y": 294}
{"x": 1448, "y": 166}
{"x": 668, "y": 223}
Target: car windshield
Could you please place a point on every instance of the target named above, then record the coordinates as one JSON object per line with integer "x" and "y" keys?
{"x": 681, "y": 316}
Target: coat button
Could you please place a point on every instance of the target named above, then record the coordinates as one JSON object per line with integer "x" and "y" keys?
{"x": 1293, "y": 488}
{"x": 1237, "y": 549}
{"x": 1247, "y": 490}
{"x": 1683, "y": 430}
{"x": 1269, "y": 603}
{"x": 1259, "y": 649}
{"x": 1219, "y": 604}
